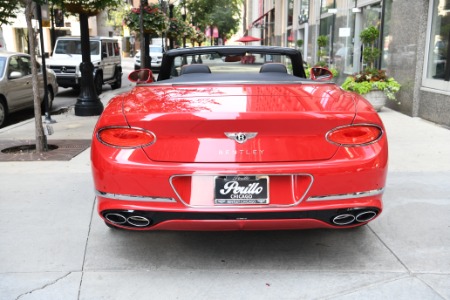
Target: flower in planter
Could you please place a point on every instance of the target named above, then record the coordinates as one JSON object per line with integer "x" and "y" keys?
{"x": 371, "y": 78}
{"x": 197, "y": 36}
{"x": 177, "y": 29}
{"x": 154, "y": 19}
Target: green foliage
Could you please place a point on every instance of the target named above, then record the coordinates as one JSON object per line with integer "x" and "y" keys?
{"x": 178, "y": 28}
{"x": 299, "y": 43}
{"x": 154, "y": 19}
{"x": 369, "y": 80}
{"x": 8, "y": 10}
{"x": 322, "y": 41}
{"x": 225, "y": 14}
{"x": 368, "y": 38}
{"x": 197, "y": 37}
{"x": 89, "y": 7}
{"x": 369, "y": 35}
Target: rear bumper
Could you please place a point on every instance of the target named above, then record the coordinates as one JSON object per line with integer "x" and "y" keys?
{"x": 302, "y": 194}
{"x": 211, "y": 221}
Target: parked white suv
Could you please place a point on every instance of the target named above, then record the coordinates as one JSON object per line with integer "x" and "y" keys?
{"x": 156, "y": 53}
{"x": 105, "y": 56}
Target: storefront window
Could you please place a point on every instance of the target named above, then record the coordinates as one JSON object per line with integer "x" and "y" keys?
{"x": 372, "y": 17}
{"x": 304, "y": 11}
{"x": 290, "y": 12}
{"x": 343, "y": 38}
{"x": 326, "y": 29}
{"x": 438, "y": 67}
{"x": 326, "y": 5}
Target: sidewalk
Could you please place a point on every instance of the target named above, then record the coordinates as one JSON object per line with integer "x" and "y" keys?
{"x": 54, "y": 246}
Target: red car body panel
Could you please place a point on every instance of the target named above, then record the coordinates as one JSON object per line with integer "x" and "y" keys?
{"x": 311, "y": 182}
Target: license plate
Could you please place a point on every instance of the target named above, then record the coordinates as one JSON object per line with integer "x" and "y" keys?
{"x": 241, "y": 190}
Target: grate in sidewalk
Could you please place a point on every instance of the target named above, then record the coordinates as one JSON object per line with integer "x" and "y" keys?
{"x": 60, "y": 150}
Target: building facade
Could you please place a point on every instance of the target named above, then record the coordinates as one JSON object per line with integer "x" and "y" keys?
{"x": 414, "y": 42}
{"x": 57, "y": 24}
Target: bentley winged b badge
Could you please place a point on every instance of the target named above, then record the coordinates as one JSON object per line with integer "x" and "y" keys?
{"x": 240, "y": 137}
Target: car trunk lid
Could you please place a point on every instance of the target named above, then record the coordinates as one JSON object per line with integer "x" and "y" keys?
{"x": 240, "y": 123}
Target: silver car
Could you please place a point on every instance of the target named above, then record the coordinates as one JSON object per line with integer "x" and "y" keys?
{"x": 16, "y": 89}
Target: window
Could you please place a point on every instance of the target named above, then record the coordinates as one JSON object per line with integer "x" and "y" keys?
{"x": 326, "y": 5}
{"x": 437, "y": 67}
{"x": 2, "y": 65}
{"x": 304, "y": 11}
{"x": 110, "y": 49}
{"x": 116, "y": 49}
{"x": 13, "y": 65}
{"x": 290, "y": 12}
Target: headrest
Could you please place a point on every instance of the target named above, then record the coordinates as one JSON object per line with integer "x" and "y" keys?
{"x": 194, "y": 68}
{"x": 273, "y": 67}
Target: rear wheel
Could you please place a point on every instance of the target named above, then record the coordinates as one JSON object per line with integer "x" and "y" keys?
{"x": 2, "y": 113}
{"x": 98, "y": 83}
{"x": 118, "y": 83}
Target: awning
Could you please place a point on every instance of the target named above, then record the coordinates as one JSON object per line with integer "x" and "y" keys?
{"x": 261, "y": 17}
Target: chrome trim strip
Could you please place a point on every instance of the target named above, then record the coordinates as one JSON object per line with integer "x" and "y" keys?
{"x": 347, "y": 196}
{"x": 240, "y": 82}
{"x": 133, "y": 197}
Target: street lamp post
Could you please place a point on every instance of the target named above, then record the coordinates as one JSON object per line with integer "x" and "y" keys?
{"x": 171, "y": 42}
{"x": 145, "y": 39}
{"x": 88, "y": 103}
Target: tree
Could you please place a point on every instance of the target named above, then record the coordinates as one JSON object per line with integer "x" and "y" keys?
{"x": 8, "y": 10}
{"x": 223, "y": 14}
{"x": 41, "y": 139}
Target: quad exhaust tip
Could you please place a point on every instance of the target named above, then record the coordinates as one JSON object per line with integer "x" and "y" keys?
{"x": 134, "y": 221}
{"x": 344, "y": 219}
{"x": 348, "y": 218}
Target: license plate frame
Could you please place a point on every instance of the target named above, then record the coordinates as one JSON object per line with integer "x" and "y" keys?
{"x": 241, "y": 190}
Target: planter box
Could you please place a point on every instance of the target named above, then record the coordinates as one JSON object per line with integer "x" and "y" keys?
{"x": 377, "y": 98}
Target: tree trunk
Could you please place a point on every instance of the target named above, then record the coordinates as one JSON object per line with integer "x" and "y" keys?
{"x": 41, "y": 139}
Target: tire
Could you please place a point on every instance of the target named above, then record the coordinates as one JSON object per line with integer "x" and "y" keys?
{"x": 51, "y": 97}
{"x": 98, "y": 83}
{"x": 118, "y": 83}
{"x": 3, "y": 113}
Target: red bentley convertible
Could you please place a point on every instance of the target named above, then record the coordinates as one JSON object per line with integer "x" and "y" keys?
{"x": 218, "y": 144}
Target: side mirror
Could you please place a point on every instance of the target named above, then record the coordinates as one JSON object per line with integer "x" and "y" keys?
{"x": 15, "y": 75}
{"x": 321, "y": 74}
{"x": 141, "y": 76}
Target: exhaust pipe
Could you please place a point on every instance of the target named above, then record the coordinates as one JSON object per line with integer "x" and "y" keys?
{"x": 116, "y": 218}
{"x": 343, "y": 219}
{"x": 138, "y": 221}
{"x": 366, "y": 216}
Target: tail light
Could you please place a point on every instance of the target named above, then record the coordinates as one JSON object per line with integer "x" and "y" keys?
{"x": 355, "y": 135}
{"x": 125, "y": 137}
